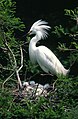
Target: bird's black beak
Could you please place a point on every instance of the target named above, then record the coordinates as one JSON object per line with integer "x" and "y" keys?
{"x": 29, "y": 33}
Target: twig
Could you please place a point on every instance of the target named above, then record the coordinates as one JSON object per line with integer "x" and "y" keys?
{"x": 54, "y": 84}
{"x": 17, "y": 70}
{"x": 14, "y": 60}
{"x": 34, "y": 94}
{"x": 62, "y": 49}
{"x": 5, "y": 42}
{"x": 24, "y": 43}
{"x": 49, "y": 74}
{"x": 21, "y": 60}
{"x": 32, "y": 76}
{"x": 4, "y": 68}
{"x": 7, "y": 80}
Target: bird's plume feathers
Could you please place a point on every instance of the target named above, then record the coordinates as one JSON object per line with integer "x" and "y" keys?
{"x": 42, "y": 27}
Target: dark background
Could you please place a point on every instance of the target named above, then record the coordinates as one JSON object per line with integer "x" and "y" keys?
{"x": 51, "y": 10}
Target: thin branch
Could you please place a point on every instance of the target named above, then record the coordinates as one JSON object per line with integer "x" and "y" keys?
{"x": 32, "y": 76}
{"x": 21, "y": 60}
{"x": 49, "y": 74}
{"x": 54, "y": 84}
{"x": 24, "y": 43}
{"x": 63, "y": 49}
{"x": 17, "y": 70}
{"x": 14, "y": 60}
{"x": 7, "y": 80}
{"x": 5, "y": 42}
{"x": 4, "y": 68}
{"x": 4, "y": 49}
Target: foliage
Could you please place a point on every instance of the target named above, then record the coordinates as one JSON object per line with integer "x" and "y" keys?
{"x": 62, "y": 101}
{"x": 69, "y": 33}
{"x": 9, "y": 45}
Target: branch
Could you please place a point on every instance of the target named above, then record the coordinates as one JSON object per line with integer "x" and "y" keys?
{"x": 49, "y": 74}
{"x": 65, "y": 49}
{"x": 17, "y": 70}
{"x": 14, "y": 60}
{"x": 21, "y": 60}
{"x": 7, "y": 80}
{"x": 4, "y": 68}
{"x": 5, "y": 42}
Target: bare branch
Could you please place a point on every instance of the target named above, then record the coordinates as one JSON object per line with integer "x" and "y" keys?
{"x": 21, "y": 60}
{"x": 17, "y": 70}
{"x": 14, "y": 60}
{"x": 32, "y": 76}
{"x": 49, "y": 74}
{"x": 5, "y": 42}
{"x": 65, "y": 49}
{"x": 7, "y": 80}
{"x": 4, "y": 68}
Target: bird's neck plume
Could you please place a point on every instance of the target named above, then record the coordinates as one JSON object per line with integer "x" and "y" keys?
{"x": 39, "y": 36}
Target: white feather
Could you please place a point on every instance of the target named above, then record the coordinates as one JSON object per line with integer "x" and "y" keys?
{"x": 42, "y": 55}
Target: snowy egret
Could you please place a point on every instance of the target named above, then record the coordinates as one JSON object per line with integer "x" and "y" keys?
{"x": 41, "y": 54}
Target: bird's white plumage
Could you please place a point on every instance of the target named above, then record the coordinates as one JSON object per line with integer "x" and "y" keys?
{"x": 42, "y": 55}
{"x": 40, "y": 28}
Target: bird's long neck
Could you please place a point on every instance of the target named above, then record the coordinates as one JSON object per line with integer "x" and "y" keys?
{"x": 32, "y": 48}
{"x": 35, "y": 39}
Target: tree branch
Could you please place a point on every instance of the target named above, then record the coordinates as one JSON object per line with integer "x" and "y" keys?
{"x": 65, "y": 49}
{"x": 7, "y": 80}
{"x": 21, "y": 60}
{"x": 15, "y": 63}
{"x": 17, "y": 70}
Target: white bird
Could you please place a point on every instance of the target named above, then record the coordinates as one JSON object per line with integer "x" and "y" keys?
{"x": 41, "y": 54}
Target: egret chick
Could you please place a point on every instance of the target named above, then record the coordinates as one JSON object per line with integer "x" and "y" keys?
{"x": 46, "y": 59}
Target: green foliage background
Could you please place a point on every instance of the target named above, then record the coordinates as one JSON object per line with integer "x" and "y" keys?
{"x": 62, "y": 102}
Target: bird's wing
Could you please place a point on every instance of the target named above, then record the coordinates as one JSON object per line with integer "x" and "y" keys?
{"x": 46, "y": 59}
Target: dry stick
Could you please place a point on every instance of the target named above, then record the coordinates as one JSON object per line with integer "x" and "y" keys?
{"x": 54, "y": 84}
{"x": 36, "y": 89}
{"x": 15, "y": 67}
{"x": 32, "y": 76}
{"x": 21, "y": 60}
{"x": 4, "y": 68}
{"x": 49, "y": 74}
{"x": 62, "y": 49}
{"x": 7, "y": 80}
{"x": 17, "y": 70}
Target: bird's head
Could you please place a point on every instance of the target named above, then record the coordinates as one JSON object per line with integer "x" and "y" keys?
{"x": 40, "y": 28}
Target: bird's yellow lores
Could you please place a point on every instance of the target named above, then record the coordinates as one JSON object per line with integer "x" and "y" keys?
{"x": 41, "y": 54}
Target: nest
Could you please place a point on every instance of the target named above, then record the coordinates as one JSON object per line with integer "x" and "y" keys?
{"x": 32, "y": 90}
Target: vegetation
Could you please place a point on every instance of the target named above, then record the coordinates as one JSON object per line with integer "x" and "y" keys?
{"x": 62, "y": 101}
